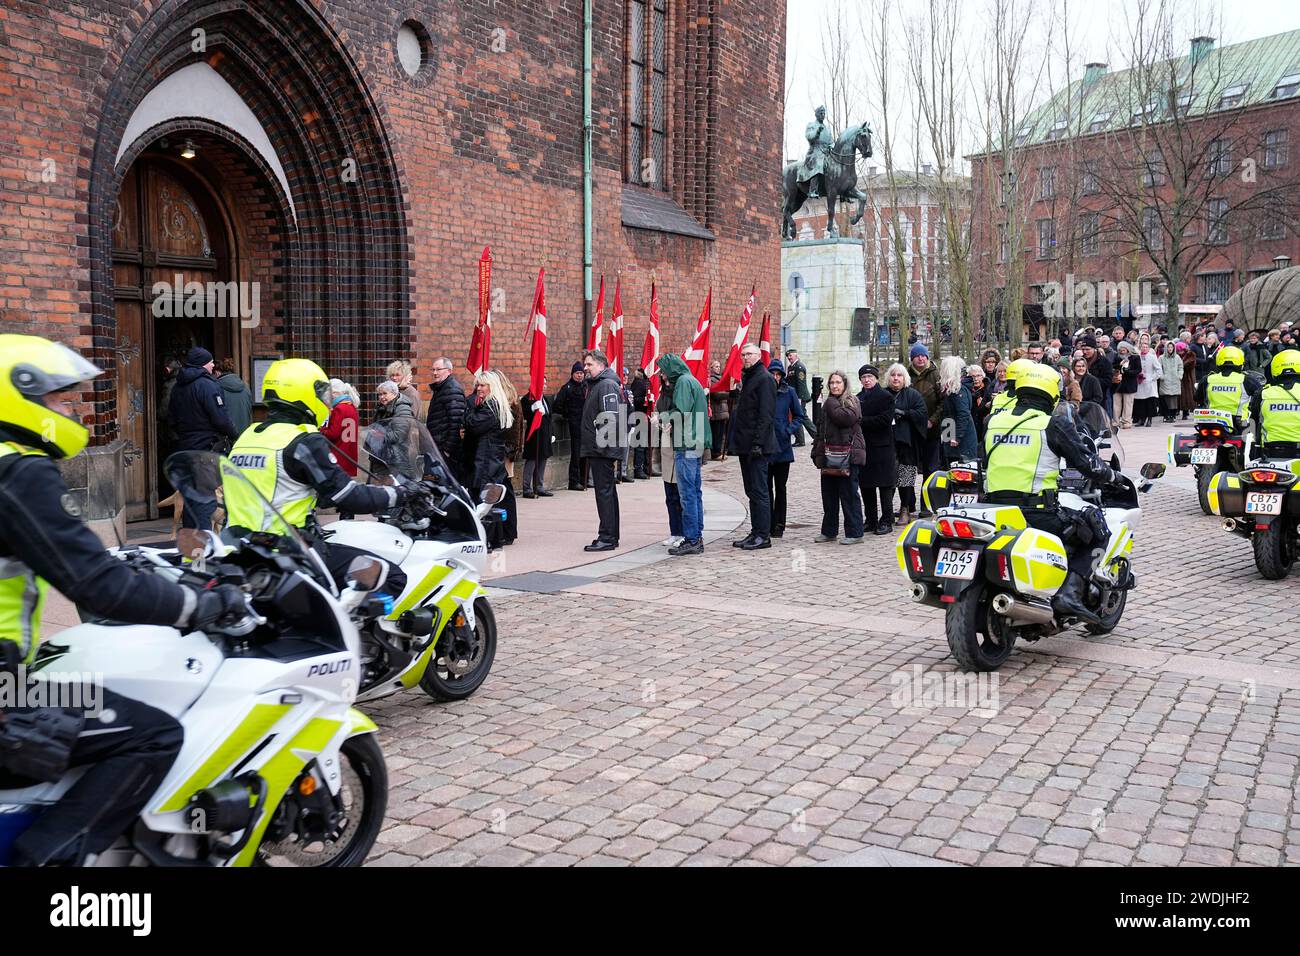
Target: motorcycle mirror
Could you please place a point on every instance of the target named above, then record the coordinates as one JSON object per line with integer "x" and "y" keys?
{"x": 1152, "y": 470}
{"x": 365, "y": 574}
{"x": 491, "y": 494}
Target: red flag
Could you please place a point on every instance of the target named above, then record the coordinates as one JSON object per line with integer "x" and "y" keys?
{"x": 480, "y": 346}
{"x": 650, "y": 351}
{"x": 593, "y": 339}
{"x": 765, "y": 339}
{"x": 616, "y": 336}
{"x": 697, "y": 356}
{"x": 537, "y": 363}
{"x": 732, "y": 371}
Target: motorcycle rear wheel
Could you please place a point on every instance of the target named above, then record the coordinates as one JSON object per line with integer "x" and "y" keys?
{"x": 1112, "y": 609}
{"x": 1274, "y": 550}
{"x": 441, "y": 684}
{"x": 980, "y": 639}
{"x": 1204, "y": 475}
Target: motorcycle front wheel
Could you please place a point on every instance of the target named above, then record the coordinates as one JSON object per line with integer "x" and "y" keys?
{"x": 1274, "y": 550}
{"x": 461, "y": 663}
{"x": 980, "y": 639}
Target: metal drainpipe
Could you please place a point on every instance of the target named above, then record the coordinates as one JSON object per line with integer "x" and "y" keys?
{"x": 586, "y": 167}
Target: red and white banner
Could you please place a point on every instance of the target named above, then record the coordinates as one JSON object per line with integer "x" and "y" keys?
{"x": 480, "y": 346}
{"x": 765, "y": 339}
{"x": 697, "y": 356}
{"x": 650, "y": 351}
{"x": 537, "y": 361}
{"x": 616, "y": 336}
{"x": 593, "y": 338}
{"x": 732, "y": 371}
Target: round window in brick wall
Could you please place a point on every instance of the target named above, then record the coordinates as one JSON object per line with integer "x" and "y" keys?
{"x": 412, "y": 48}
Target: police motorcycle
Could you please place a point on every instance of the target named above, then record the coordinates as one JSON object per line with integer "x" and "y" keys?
{"x": 995, "y": 577}
{"x": 1219, "y": 442}
{"x": 277, "y": 767}
{"x": 441, "y": 632}
{"x": 957, "y": 487}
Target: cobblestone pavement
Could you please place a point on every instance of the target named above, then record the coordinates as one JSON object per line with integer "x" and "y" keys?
{"x": 792, "y": 706}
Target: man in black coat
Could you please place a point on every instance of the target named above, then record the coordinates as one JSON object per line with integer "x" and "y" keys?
{"x": 797, "y": 376}
{"x": 199, "y": 419}
{"x": 568, "y": 404}
{"x": 753, "y": 437}
{"x": 878, "y": 478}
{"x": 446, "y": 411}
{"x": 603, "y": 442}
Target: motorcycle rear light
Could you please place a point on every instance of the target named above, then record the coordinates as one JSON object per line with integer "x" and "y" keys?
{"x": 915, "y": 555}
{"x": 1003, "y": 571}
{"x": 966, "y": 477}
{"x": 945, "y": 528}
{"x": 1234, "y": 442}
{"x": 1263, "y": 476}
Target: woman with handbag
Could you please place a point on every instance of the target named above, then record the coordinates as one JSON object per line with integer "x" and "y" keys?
{"x": 839, "y": 452}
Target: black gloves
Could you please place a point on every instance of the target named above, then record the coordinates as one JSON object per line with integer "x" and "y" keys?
{"x": 214, "y": 604}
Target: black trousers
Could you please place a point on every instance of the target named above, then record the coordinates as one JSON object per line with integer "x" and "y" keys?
{"x": 753, "y": 468}
{"x": 870, "y": 493}
{"x": 576, "y": 460}
{"x": 778, "y": 475}
{"x": 840, "y": 493}
{"x": 602, "y": 478}
{"x": 129, "y": 747}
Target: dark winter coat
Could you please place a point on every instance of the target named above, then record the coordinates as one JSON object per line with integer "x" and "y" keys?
{"x": 446, "y": 415}
{"x": 881, "y": 467}
{"x": 927, "y": 384}
{"x": 1091, "y": 389}
{"x": 602, "y": 434}
{"x": 751, "y": 427}
{"x": 567, "y": 405}
{"x": 198, "y": 411}
{"x": 537, "y": 446}
{"x": 958, "y": 425}
{"x": 392, "y": 439}
{"x": 841, "y": 424}
{"x": 910, "y": 424}
{"x": 786, "y": 422}
{"x": 483, "y": 432}
{"x": 239, "y": 401}
{"x": 1130, "y": 368}
{"x": 1187, "y": 398}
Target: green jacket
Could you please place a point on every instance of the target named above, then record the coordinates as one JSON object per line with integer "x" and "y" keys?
{"x": 689, "y": 410}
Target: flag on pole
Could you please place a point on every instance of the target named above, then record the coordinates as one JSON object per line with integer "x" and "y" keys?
{"x": 765, "y": 339}
{"x": 732, "y": 371}
{"x": 593, "y": 339}
{"x": 697, "y": 356}
{"x": 650, "y": 351}
{"x": 616, "y": 361}
{"x": 480, "y": 346}
{"x": 537, "y": 362}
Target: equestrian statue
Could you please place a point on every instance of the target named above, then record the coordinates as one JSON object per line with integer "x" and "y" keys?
{"x": 829, "y": 170}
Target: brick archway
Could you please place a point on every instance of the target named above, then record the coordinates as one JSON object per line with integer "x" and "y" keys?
{"x": 346, "y": 294}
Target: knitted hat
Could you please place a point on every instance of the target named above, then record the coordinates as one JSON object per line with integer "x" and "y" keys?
{"x": 198, "y": 357}
{"x": 869, "y": 369}
{"x": 918, "y": 349}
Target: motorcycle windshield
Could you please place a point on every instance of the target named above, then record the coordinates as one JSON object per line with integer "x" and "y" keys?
{"x": 403, "y": 446}
{"x": 1099, "y": 425}
{"x": 207, "y": 481}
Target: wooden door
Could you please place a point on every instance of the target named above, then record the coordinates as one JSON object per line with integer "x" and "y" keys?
{"x": 168, "y": 233}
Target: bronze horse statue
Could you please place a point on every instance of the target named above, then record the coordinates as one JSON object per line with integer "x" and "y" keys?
{"x": 839, "y": 181}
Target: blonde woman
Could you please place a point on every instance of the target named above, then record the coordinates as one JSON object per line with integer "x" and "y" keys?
{"x": 488, "y": 418}
{"x": 514, "y": 437}
{"x": 957, "y": 439}
{"x": 910, "y": 426}
{"x": 399, "y": 373}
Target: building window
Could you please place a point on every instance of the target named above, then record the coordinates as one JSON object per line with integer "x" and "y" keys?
{"x": 1153, "y": 170}
{"x": 1003, "y": 246}
{"x": 1099, "y": 122}
{"x": 1022, "y": 136}
{"x": 1232, "y": 96}
{"x": 1214, "y": 288}
{"x": 1273, "y": 223}
{"x": 1091, "y": 240}
{"x": 1008, "y": 186}
{"x": 1148, "y": 112}
{"x": 1090, "y": 183}
{"x": 1153, "y": 236}
{"x": 1276, "y": 151}
{"x": 1216, "y": 221}
{"x": 647, "y": 107}
{"x": 1058, "y": 129}
{"x": 1046, "y": 238}
{"x": 1220, "y": 158}
{"x": 1184, "y": 103}
{"x": 1289, "y": 85}
{"x": 1047, "y": 182}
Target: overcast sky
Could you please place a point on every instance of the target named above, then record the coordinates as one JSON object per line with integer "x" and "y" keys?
{"x": 1097, "y": 25}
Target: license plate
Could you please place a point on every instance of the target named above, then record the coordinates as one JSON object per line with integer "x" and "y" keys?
{"x": 956, "y": 563}
{"x": 1205, "y": 456}
{"x": 960, "y": 500}
{"x": 1259, "y": 503}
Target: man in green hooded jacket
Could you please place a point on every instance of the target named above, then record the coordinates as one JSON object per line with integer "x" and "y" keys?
{"x": 687, "y": 415}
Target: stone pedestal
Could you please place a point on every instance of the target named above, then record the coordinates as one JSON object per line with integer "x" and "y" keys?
{"x": 96, "y": 480}
{"x": 822, "y": 283}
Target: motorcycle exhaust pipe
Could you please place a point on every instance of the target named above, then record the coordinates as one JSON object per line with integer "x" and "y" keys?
{"x": 1022, "y": 611}
{"x": 1229, "y": 524}
{"x": 919, "y": 593}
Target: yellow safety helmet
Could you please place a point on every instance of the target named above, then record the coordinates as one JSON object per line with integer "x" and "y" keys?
{"x": 1042, "y": 378}
{"x": 1286, "y": 362}
{"x": 301, "y": 384}
{"x": 31, "y": 368}
{"x": 1018, "y": 368}
{"x": 1230, "y": 355}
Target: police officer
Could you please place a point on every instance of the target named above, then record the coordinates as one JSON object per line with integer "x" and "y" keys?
{"x": 1228, "y": 390}
{"x": 128, "y": 745}
{"x": 1276, "y": 408}
{"x": 292, "y": 464}
{"x": 1023, "y": 448}
{"x": 1007, "y": 396}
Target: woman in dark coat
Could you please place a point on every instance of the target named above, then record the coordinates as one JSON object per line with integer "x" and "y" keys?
{"x": 1090, "y": 387}
{"x": 910, "y": 425}
{"x": 537, "y": 447}
{"x": 957, "y": 431}
{"x": 787, "y": 420}
{"x": 841, "y": 424}
{"x": 488, "y": 420}
{"x": 879, "y": 475}
{"x": 1187, "y": 398}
